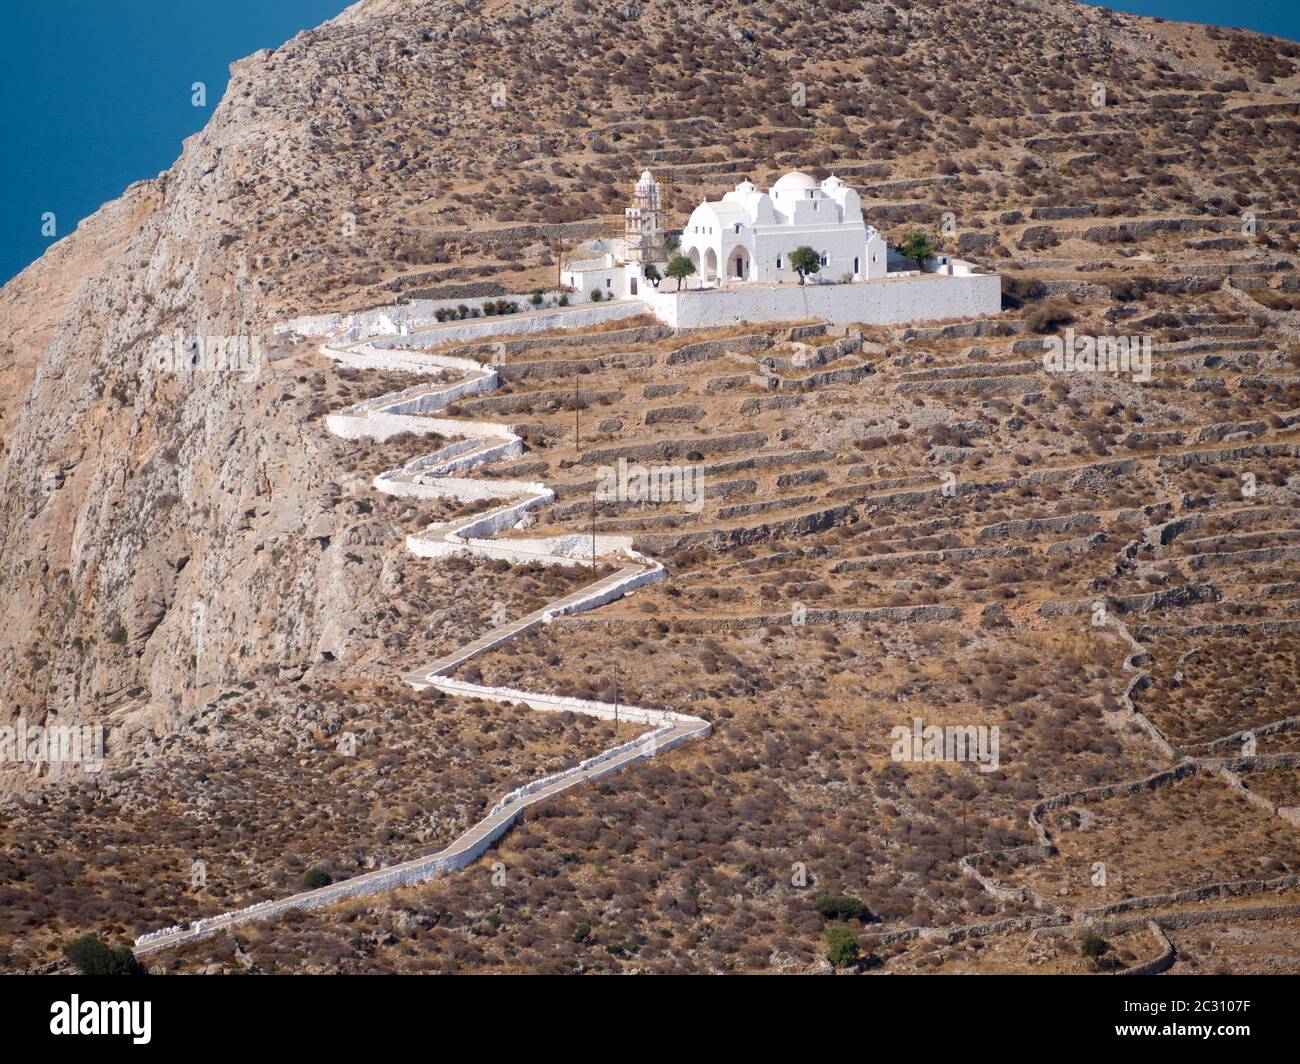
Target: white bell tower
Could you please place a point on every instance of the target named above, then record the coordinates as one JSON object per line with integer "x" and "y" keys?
{"x": 643, "y": 221}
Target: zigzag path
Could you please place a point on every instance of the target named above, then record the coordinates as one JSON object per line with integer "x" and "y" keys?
{"x": 431, "y": 476}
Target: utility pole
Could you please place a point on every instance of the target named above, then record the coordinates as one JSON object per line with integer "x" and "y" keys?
{"x": 617, "y": 692}
{"x": 593, "y": 530}
{"x": 577, "y": 439}
{"x": 965, "y": 842}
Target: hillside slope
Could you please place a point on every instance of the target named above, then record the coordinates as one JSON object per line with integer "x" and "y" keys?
{"x": 170, "y": 541}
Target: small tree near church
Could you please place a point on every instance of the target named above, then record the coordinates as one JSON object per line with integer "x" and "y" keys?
{"x": 803, "y": 260}
{"x": 679, "y": 268}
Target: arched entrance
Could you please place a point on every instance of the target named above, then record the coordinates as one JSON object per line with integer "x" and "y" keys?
{"x": 738, "y": 266}
{"x": 710, "y": 272}
{"x": 694, "y": 255}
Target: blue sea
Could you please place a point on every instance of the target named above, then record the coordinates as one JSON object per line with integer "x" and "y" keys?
{"x": 97, "y": 94}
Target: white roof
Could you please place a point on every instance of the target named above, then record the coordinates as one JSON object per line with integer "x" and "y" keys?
{"x": 726, "y": 212}
{"x": 795, "y": 181}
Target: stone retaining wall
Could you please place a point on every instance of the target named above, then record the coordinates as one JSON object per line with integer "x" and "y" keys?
{"x": 879, "y": 615}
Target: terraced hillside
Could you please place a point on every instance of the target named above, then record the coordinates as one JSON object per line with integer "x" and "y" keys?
{"x": 894, "y": 524}
{"x": 899, "y": 524}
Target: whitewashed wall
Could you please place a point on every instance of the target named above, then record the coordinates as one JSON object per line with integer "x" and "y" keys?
{"x": 932, "y": 297}
{"x": 396, "y": 316}
{"x": 425, "y": 331}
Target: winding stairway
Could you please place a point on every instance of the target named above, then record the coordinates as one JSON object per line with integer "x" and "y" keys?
{"x": 440, "y": 475}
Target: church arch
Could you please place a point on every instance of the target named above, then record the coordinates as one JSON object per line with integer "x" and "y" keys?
{"x": 738, "y": 265}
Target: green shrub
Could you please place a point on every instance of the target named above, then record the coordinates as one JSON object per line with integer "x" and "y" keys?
{"x": 841, "y": 907}
{"x": 1093, "y": 946}
{"x": 316, "y": 877}
{"x": 93, "y": 956}
{"x": 841, "y": 947}
{"x": 582, "y": 932}
{"x": 597, "y": 295}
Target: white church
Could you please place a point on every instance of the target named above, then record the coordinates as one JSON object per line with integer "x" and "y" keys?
{"x": 740, "y": 247}
{"x": 747, "y": 236}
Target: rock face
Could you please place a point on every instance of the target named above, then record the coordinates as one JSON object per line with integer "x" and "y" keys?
{"x": 154, "y": 522}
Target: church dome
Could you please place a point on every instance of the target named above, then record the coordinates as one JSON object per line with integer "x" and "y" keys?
{"x": 795, "y": 181}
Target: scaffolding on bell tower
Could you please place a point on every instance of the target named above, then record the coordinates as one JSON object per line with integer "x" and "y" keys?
{"x": 643, "y": 222}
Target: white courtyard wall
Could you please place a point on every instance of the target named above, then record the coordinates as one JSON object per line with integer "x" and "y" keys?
{"x": 520, "y": 324}
{"x": 884, "y": 302}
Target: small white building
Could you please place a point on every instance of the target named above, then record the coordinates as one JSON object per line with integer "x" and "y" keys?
{"x": 609, "y": 275}
{"x": 747, "y": 236}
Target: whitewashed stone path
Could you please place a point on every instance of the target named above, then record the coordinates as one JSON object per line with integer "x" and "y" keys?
{"x": 440, "y": 475}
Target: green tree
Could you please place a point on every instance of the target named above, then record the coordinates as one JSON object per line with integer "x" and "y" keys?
{"x": 841, "y": 947}
{"x": 651, "y": 273}
{"x": 918, "y": 247}
{"x": 679, "y": 268}
{"x": 803, "y": 260}
{"x": 1093, "y": 946}
{"x": 841, "y": 907}
{"x": 316, "y": 877}
{"x": 94, "y": 956}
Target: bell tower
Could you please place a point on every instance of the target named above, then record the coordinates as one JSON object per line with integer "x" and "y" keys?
{"x": 643, "y": 222}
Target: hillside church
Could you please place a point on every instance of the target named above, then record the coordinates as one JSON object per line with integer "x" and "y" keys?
{"x": 747, "y": 236}
{"x": 744, "y": 238}
{"x": 740, "y": 248}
